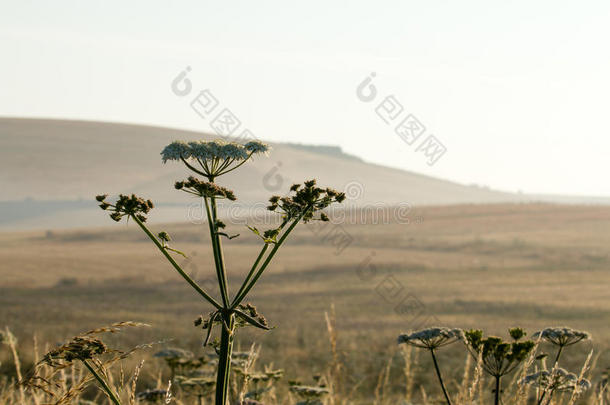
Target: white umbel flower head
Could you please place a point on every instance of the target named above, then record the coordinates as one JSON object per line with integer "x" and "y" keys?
{"x": 432, "y": 338}
{"x": 562, "y": 336}
{"x": 557, "y": 379}
{"x": 215, "y": 157}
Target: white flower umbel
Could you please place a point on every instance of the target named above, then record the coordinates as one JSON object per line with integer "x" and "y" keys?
{"x": 432, "y": 339}
{"x": 215, "y": 158}
{"x": 562, "y": 337}
{"x": 555, "y": 380}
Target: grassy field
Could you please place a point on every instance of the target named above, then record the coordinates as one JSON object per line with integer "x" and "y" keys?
{"x": 484, "y": 266}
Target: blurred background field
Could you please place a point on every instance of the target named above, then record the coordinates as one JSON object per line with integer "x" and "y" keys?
{"x": 483, "y": 266}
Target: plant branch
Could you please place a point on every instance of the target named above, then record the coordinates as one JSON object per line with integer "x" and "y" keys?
{"x": 236, "y": 166}
{"x": 240, "y": 298}
{"x": 103, "y": 383}
{"x": 252, "y": 270}
{"x": 176, "y": 266}
{"x": 191, "y": 167}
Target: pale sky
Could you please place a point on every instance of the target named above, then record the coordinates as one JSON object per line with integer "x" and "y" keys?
{"x": 516, "y": 91}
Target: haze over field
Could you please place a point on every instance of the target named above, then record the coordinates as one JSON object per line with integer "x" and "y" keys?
{"x": 56, "y": 166}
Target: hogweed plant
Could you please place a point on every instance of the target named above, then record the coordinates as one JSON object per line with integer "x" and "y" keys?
{"x": 555, "y": 381}
{"x": 432, "y": 339}
{"x": 210, "y": 160}
{"x": 499, "y": 358}
{"x": 561, "y": 337}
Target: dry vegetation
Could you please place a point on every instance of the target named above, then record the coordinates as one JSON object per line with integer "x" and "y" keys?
{"x": 489, "y": 267}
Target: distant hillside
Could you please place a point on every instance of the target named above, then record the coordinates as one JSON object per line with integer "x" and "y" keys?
{"x": 329, "y": 150}
{"x": 74, "y": 160}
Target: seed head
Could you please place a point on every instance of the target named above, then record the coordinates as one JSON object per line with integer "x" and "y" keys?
{"x": 152, "y": 395}
{"x": 79, "y": 348}
{"x": 204, "y": 189}
{"x": 499, "y": 357}
{"x": 126, "y": 206}
{"x": 305, "y": 201}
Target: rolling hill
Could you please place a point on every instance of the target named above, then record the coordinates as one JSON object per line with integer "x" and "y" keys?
{"x": 51, "y": 169}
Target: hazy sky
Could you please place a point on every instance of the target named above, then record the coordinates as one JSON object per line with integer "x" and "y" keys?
{"x": 516, "y": 91}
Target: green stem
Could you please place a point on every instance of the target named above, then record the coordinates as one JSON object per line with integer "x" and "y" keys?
{"x": 221, "y": 259}
{"x": 497, "y": 391}
{"x": 105, "y": 386}
{"x": 192, "y": 168}
{"x": 176, "y": 266}
{"x": 558, "y": 355}
{"x": 440, "y": 378}
{"x": 238, "y": 299}
{"x": 541, "y": 397}
{"x": 236, "y": 166}
{"x": 224, "y": 361}
{"x": 217, "y": 253}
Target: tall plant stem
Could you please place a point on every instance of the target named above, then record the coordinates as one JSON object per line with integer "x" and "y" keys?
{"x": 217, "y": 253}
{"x": 224, "y": 361}
{"x": 103, "y": 383}
{"x": 497, "y": 391}
{"x": 176, "y": 266}
{"x": 440, "y": 378}
{"x": 221, "y": 259}
{"x": 558, "y": 355}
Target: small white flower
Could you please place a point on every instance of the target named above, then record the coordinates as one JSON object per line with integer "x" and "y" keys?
{"x": 175, "y": 151}
{"x": 257, "y": 147}
{"x": 233, "y": 151}
{"x": 200, "y": 150}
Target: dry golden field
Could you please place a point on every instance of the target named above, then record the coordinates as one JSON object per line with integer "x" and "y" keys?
{"x": 484, "y": 266}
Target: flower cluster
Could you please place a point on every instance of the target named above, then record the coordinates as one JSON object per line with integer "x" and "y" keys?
{"x": 562, "y": 336}
{"x": 202, "y": 386}
{"x": 250, "y": 311}
{"x": 311, "y": 395}
{"x": 499, "y": 357}
{"x": 126, "y": 206}
{"x": 153, "y": 396}
{"x": 244, "y": 315}
{"x": 79, "y": 348}
{"x": 306, "y": 200}
{"x": 204, "y": 189}
{"x": 557, "y": 379}
{"x": 268, "y": 236}
{"x": 214, "y": 157}
{"x": 432, "y": 338}
{"x": 262, "y": 376}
